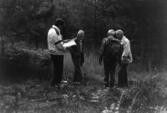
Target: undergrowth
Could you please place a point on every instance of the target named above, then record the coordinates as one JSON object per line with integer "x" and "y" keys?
{"x": 147, "y": 92}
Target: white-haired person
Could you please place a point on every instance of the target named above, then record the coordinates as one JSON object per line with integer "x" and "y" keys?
{"x": 126, "y": 58}
{"x": 77, "y": 55}
{"x": 111, "y": 51}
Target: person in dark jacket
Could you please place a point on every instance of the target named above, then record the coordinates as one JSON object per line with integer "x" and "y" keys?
{"x": 111, "y": 51}
{"x": 77, "y": 55}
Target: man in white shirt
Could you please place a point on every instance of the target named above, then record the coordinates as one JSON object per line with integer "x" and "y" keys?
{"x": 56, "y": 49}
{"x": 126, "y": 58}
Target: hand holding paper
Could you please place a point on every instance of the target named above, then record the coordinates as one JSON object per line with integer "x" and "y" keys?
{"x": 69, "y": 43}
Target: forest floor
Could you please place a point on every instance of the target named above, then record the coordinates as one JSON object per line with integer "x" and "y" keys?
{"x": 35, "y": 96}
{"x": 147, "y": 92}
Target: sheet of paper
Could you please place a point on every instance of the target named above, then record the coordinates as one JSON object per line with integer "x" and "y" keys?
{"x": 69, "y": 44}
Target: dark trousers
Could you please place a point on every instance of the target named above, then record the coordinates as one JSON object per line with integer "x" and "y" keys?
{"x": 122, "y": 75}
{"x": 77, "y": 68}
{"x": 57, "y": 69}
{"x": 109, "y": 70}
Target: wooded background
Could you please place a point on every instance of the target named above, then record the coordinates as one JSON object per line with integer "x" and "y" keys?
{"x": 143, "y": 21}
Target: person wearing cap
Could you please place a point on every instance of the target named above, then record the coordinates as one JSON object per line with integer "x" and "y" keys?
{"x": 56, "y": 50}
{"x": 126, "y": 58}
{"x": 111, "y": 50}
{"x": 77, "y": 55}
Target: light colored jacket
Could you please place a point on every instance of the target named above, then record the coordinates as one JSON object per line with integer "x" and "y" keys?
{"x": 54, "y": 35}
{"x": 127, "y": 54}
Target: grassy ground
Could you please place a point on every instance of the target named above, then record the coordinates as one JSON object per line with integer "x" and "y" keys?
{"x": 34, "y": 96}
{"x": 147, "y": 93}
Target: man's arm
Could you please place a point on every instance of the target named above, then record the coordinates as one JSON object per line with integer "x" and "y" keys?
{"x": 130, "y": 54}
{"x": 82, "y": 52}
{"x": 82, "y": 58}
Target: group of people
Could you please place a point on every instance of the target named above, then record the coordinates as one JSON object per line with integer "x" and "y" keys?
{"x": 115, "y": 50}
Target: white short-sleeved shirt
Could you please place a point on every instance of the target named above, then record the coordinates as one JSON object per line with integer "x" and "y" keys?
{"x": 126, "y": 49}
{"x": 54, "y": 35}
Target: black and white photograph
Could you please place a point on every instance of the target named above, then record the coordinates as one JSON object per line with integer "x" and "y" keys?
{"x": 83, "y": 56}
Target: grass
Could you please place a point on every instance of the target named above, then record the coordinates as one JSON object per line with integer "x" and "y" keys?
{"x": 91, "y": 67}
{"x": 148, "y": 95}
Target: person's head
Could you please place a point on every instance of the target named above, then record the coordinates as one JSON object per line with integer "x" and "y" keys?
{"x": 59, "y": 23}
{"x": 110, "y": 32}
{"x": 80, "y": 35}
{"x": 119, "y": 34}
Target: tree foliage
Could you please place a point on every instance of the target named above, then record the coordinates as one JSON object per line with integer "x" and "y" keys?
{"x": 141, "y": 20}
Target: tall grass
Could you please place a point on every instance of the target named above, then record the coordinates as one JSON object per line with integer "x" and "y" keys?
{"x": 90, "y": 69}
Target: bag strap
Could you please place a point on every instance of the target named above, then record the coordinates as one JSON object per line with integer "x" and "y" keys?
{"x": 57, "y": 31}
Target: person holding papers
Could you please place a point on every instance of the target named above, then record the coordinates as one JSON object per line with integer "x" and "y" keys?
{"x": 56, "y": 50}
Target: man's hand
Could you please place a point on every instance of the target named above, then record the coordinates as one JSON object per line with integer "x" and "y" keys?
{"x": 125, "y": 59}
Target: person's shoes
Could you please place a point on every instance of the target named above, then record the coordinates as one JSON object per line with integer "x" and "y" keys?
{"x": 56, "y": 86}
{"x": 64, "y": 82}
{"x": 76, "y": 83}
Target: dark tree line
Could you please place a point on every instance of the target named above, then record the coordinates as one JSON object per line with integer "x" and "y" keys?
{"x": 143, "y": 21}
